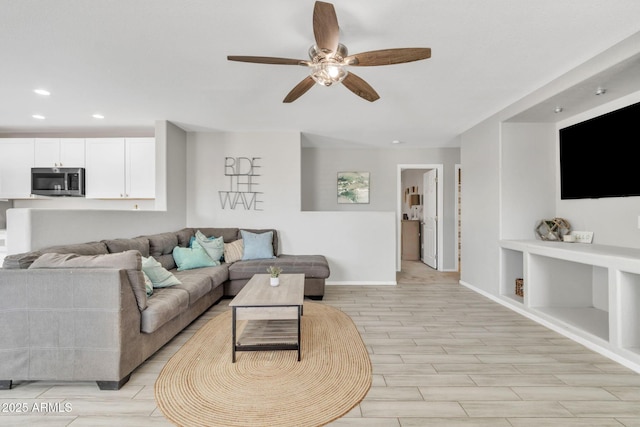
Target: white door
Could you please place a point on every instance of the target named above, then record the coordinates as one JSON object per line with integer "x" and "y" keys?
{"x": 430, "y": 219}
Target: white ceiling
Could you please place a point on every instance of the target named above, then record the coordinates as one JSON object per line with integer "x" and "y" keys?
{"x": 138, "y": 61}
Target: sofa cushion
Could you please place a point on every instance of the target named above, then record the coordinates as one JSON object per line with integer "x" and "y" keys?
{"x": 214, "y": 246}
{"x": 148, "y": 284}
{"x": 161, "y": 248}
{"x": 164, "y": 305}
{"x": 24, "y": 260}
{"x": 141, "y": 244}
{"x": 227, "y": 234}
{"x": 190, "y": 258}
{"x": 233, "y": 251}
{"x": 313, "y": 266}
{"x": 131, "y": 261}
{"x": 274, "y": 240}
{"x": 199, "y": 282}
{"x": 91, "y": 248}
{"x": 20, "y": 261}
{"x": 159, "y": 276}
{"x": 184, "y": 237}
{"x": 257, "y": 245}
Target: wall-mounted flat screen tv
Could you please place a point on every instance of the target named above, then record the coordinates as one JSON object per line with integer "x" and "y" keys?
{"x": 598, "y": 157}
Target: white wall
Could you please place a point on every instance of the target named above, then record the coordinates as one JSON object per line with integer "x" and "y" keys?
{"x": 480, "y": 208}
{"x": 32, "y": 228}
{"x": 528, "y": 176}
{"x": 360, "y": 246}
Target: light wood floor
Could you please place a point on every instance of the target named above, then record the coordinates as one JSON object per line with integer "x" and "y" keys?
{"x": 442, "y": 356}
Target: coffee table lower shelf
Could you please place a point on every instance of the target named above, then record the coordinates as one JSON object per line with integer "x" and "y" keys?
{"x": 267, "y": 335}
{"x": 264, "y": 335}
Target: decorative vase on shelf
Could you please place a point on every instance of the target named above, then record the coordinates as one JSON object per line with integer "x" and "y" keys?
{"x": 274, "y": 281}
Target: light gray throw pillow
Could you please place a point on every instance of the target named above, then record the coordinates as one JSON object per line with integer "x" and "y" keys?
{"x": 131, "y": 261}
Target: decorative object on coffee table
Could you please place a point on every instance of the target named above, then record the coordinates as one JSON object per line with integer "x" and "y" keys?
{"x": 274, "y": 272}
{"x": 552, "y": 229}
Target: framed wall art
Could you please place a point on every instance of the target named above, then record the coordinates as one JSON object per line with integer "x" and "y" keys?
{"x": 353, "y": 187}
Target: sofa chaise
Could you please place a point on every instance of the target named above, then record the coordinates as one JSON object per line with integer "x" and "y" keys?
{"x": 85, "y": 312}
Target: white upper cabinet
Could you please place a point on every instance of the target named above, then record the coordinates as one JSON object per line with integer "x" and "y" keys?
{"x": 16, "y": 160}
{"x": 59, "y": 152}
{"x": 120, "y": 168}
{"x": 140, "y": 156}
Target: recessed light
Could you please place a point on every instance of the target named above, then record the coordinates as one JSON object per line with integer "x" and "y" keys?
{"x": 98, "y": 116}
{"x": 558, "y": 110}
{"x": 38, "y": 116}
{"x": 601, "y": 91}
{"x": 395, "y": 141}
{"x": 42, "y": 92}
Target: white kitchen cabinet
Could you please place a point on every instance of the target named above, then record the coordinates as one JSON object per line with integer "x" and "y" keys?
{"x": 59, "y": 152}
{"x": 120, "y": 168}
{"x": 16, "y": 161}
{"x": 140, "y": 169}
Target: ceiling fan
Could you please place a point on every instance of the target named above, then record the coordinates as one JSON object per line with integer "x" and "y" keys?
{"x": 329, "y": 58}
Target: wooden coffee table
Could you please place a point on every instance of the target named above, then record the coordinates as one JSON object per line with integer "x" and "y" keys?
{"x": 272, "y": 314}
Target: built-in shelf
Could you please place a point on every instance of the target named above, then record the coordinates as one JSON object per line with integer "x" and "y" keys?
{"x": 588, "y": 319}
{"x": 590, "y": 293}
{"x": 512, "y": 269}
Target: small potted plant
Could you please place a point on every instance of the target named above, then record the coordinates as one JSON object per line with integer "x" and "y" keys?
{"x": 274, "y": 272}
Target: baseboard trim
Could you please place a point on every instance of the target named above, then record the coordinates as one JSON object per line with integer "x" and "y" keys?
{"x": 360, "y": 283}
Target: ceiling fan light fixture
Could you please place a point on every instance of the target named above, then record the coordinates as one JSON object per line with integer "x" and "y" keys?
{"x": 330, "y": 58}
{"x": 328, "y": 73}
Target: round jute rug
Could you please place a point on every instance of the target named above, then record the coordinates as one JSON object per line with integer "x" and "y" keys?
{"x": 200, "y": 386}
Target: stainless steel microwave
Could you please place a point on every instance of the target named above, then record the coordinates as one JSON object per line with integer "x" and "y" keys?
{"x": 58, "y": 182}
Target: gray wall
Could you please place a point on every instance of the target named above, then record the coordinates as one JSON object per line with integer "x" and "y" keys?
{"x": 320, "y": 167}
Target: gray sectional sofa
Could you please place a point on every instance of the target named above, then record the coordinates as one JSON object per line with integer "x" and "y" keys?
{"x": 81, "y": 312}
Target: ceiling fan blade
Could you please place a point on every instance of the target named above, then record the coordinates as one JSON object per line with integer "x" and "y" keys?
{"x": 300, "y": 89}
{"x": 268, "y": 60}
{"x": 325, "y": 26}
{"x": 389, "y": 56}
{"x": 361, "y": 88}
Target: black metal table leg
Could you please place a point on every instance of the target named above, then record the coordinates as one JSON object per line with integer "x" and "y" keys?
{"x": 233, "y": 333}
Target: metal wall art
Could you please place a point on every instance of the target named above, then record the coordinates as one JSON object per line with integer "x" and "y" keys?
{"x": 242, "y": 173}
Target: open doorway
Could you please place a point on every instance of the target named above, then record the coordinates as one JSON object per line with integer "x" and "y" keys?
{"x": 433, "y": 247}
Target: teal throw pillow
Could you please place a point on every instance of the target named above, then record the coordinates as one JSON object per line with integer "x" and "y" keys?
{"x": 213, "y": 246}
{"x": 257, "y": 245}
{"x": 190, "y": 258}
{"x": 160, "y": 277}
{"x": 148, "y": 285}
